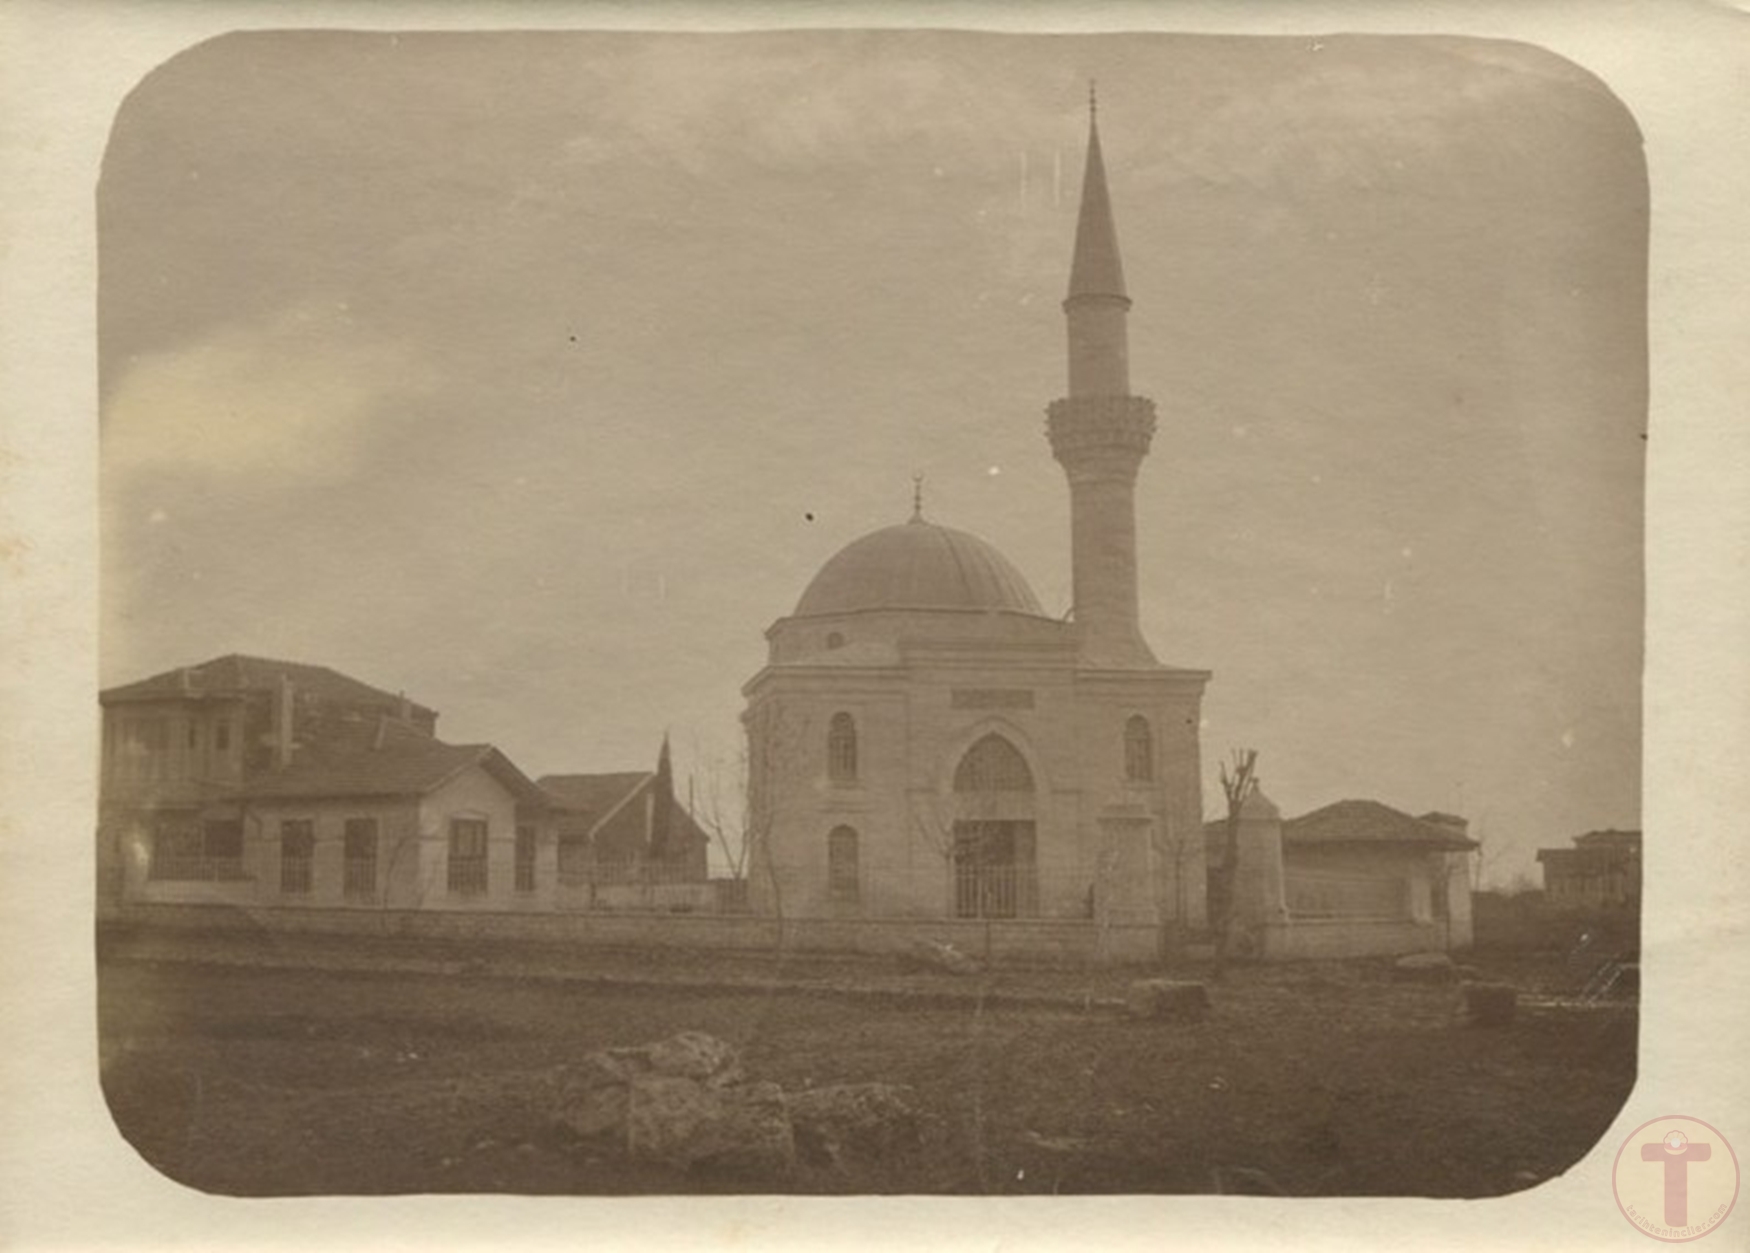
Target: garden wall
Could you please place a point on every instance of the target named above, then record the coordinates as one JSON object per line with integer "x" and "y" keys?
{"x": 1076, "y": 941}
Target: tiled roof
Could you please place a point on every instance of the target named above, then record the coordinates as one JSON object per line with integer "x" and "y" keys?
{"x": 1608, "y": 838}
{"x": 591, "y": 794}
{"x": 383, "y": 757}
{"x": 238, "y": 673}
{"x": 1369, "y": 822}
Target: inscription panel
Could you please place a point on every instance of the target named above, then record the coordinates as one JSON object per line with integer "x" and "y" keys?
{"x": 991, "y": 698}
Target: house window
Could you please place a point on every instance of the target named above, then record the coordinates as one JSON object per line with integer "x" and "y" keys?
{"x": 194, "y": 735}
{"x": 842, "y": 879}
{"x": 525, "y": 859}
{"x": 222, "y": 737}
{"x": 1139, "y": 751}
{"x": 467, "y": 856}
{"x": 145, "y": 749}
{"x": 204, "y": 852}
{"x": 361, "y": 859}
{"x": 841, "y": 749}
{"x": 834, "y": 639}
{"x": 297, "y": 856}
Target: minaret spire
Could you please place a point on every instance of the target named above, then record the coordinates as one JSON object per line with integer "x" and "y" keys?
{"x": 1097, "y": 301}
{"x": 1100, "y": 433}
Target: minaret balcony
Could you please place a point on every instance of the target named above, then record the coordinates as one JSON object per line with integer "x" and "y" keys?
{"x": 1090, "y": 426}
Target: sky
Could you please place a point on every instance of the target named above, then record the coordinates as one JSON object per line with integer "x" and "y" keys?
{"x": 535, "y": 375}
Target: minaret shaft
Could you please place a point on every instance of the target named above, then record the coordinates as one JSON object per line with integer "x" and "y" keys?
{"x": 1100, "y": 434}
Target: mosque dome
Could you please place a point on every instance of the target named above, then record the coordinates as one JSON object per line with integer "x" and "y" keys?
{"x": 917, "y": 565}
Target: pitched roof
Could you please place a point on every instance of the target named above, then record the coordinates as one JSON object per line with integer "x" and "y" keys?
{"x": 592, "y": 795}
{"x": 238, "y": 673}
{"x": 1609, "y": 838}
{"x": 384, "y": 757}
{"x": 1369, "y": 822}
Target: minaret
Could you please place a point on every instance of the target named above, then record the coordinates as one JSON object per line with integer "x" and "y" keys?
{"x": 1100, "y": 432}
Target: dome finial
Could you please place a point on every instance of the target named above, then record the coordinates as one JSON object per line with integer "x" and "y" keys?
{"x": 1093, "y": 101}
{"x": 917, "y": 497}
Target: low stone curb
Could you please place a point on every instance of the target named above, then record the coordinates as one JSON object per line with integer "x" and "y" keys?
{"x": 923, "y": 998}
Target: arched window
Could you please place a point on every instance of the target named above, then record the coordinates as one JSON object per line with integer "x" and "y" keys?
{"x": 834, "y": 639}
{"x": 1139, "y": 750}
{"x": 841, "y": 749}
{"x": 842, "y": 878}
{"x": 993, "y": 765}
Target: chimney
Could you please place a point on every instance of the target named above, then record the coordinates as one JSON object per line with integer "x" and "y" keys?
{"x": 403, "y": 707}
{"x": 1448, "y": 822}
{"x": 282, "y": 722}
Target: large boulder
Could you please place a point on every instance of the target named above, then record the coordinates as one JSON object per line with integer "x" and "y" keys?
{"x": 1167, "y": 998}
{"x": 688, "y": 1124}
{"x": 751, "y": 1136}
{"x": 687, "y": 1055}
{"x": 680, "y": 1102}
{"x": 665, "y": 1116}
{"x": 592, "y": 1097}
{"x": 835, "y": 1124}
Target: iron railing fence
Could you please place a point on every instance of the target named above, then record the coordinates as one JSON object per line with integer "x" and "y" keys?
{"x": 195, "y": 868}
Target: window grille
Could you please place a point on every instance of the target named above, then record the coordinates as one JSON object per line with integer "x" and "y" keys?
{"x": 207, "y": 852}
{"x": 1139, "y": 750}
{"x": 841, "y": 749}
{"x": 467, "y": 869}
{"x": 297, "y": 856}
{"x": 842, "y": 878}
{"x": 361, "y": 858}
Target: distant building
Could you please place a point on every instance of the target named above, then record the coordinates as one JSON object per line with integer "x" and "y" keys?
{"x": 621, "y": 840}
{"x": 1602, "y": 869}
{"x": 249, "y": 782}
{"x": 927, "y": 743}
{"x": 1351, "y": 879}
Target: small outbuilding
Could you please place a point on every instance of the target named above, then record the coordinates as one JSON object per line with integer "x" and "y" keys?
{"x": 1356, "y": 878}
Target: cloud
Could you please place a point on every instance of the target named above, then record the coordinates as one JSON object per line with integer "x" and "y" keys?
{"x": 302, "y": 396}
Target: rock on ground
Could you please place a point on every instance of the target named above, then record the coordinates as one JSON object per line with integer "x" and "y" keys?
{"x": 681, "y": 1102}
{"x": 752, "y": 1134}
{"x": 688, "y": 1055}
{"x": 931, "y": 955}
{"x": 852, "y": 1120}
{"x": 1424, "y": 968}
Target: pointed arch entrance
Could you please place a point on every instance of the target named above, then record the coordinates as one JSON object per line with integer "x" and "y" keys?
{"x": 995, "y": 833}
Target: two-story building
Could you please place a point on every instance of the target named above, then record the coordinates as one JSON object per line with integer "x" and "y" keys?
{"x": 255, "y": 783}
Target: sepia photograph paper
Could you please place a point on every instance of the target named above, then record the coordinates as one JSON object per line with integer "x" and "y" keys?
{"x": 728, "y": 625}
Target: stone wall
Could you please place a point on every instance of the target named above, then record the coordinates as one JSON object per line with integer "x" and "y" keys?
{"x": 1069, "y": 943}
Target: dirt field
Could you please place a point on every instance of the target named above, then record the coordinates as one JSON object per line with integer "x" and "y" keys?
{"x": 1329, "y": 1079}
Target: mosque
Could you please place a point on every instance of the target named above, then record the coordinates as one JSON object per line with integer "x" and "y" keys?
{"x": 926, "y": 743}
{"x": 931, "y": 756}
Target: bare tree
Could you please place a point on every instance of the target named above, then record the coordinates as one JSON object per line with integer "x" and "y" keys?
{"x": 719, "y": 803}
{"x": 1172, "y": 845}
{"x": 1239, "y": 779}
{"x": 743, "y": 800}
